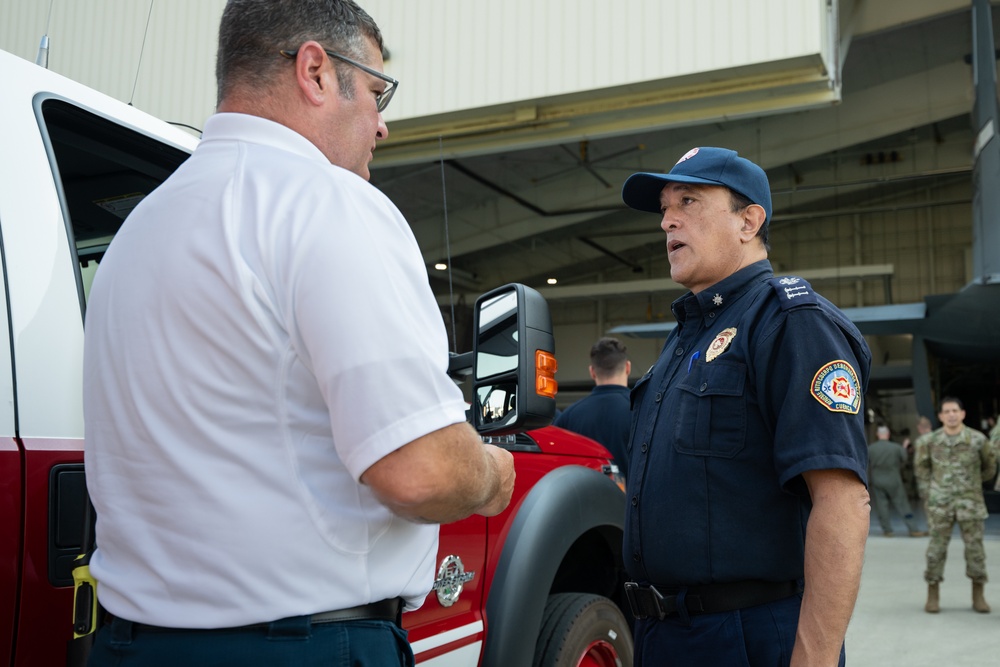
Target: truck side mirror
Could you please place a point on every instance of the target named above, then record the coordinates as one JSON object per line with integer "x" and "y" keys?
{"x": 514, "y": 364}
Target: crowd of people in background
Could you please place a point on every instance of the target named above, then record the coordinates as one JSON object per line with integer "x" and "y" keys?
{"x": 945, "y": 473}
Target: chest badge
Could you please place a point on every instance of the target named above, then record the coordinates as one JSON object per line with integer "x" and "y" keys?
{"x": 836, "y": 386}
{"x": 720, "y": 344}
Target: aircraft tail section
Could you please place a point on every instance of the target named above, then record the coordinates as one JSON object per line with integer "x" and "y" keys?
{"x": 986, "y": 151}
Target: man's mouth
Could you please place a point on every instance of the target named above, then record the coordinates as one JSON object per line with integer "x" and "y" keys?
{"x": 674, "y": 245}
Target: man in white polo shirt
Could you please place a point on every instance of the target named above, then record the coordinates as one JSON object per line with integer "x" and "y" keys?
{"x": 271, "y": 434}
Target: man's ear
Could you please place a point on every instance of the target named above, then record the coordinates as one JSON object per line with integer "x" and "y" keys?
{"x": 314, "y": 73}
{"x": 753, "y": 218}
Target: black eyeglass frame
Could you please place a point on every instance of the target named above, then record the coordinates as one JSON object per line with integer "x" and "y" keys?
{"x": 382, "y": 99}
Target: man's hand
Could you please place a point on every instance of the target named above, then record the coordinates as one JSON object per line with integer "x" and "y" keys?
{"x": 504, "y": 462}
{"x": 443, "y": 476}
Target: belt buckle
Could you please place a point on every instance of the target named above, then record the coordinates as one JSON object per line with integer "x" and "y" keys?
{"x": 633, "y": 593}
{"x": 630, "y": 588}
{"x": 661, "y": 609}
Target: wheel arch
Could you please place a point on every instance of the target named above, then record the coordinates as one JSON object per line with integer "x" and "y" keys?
{"x": 567, "y": 512}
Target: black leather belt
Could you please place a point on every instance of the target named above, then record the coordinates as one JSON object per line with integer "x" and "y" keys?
{"x": 665, "y": 601}
{"x": 384, "y": 610}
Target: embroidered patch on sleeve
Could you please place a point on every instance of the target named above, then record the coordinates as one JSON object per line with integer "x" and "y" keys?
{"x": 836, "y": 386}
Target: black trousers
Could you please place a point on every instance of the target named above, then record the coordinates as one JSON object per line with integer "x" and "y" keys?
{"x": 761, "y": 636}
{"x": 290, "y": 642}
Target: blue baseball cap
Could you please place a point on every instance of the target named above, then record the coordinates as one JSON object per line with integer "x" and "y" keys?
{"x": 706, "y": 165}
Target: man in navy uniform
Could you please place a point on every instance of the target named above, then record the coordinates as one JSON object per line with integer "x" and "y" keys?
{"x": 604, "y": 414}
{"x": 748, "y": 507}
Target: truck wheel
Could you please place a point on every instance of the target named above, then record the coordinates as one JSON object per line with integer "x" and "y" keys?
{"x": 583, "y": 630}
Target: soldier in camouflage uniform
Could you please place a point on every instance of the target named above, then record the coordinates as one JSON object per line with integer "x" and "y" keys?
{"x": 995, "y": 441}
{"x": 950, "y": 465}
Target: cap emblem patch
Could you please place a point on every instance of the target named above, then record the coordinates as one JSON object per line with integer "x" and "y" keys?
{"x": 687, "y": 156}
{"x": 836, "y": 386}
{"x": 720, "y": 344}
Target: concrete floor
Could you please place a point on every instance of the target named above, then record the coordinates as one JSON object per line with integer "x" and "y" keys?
{"x": 890, "y": 626}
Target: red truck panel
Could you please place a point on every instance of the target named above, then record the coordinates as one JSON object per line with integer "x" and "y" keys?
{"x": 10, "y": 544}
{"x": 45, "y": 623}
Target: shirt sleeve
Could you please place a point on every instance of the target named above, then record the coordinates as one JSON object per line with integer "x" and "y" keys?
{"x": 922, "y": 465}
{"x": 988, "y": 457}
{"x": 811, "y": 383}
{"x": 368, "y": 325}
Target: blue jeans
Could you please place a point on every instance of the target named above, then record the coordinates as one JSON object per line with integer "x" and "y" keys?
{"x": 761, "y": 636}
{"x": 290, "y": 642}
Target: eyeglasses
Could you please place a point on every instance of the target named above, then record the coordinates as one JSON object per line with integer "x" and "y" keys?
{"x": 382, "y": 99}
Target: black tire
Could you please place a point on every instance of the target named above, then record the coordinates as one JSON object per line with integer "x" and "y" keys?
{"x": 583, "y": 629}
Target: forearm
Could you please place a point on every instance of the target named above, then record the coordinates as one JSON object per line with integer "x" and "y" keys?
{"x": 442, "y": 477}
{"x": 834, "y": 553}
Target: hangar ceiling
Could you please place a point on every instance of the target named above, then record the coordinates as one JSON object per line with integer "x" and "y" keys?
{"x": 901, "y": 134}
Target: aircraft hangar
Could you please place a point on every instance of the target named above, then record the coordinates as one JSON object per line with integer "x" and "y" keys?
{"x": 516, "y": 124}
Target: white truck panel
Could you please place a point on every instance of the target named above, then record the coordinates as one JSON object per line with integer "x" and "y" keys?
{"x": 44, "y": 298}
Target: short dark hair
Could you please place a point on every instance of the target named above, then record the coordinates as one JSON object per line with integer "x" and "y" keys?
{"x": 608, "y": 356}
{"x": 737, "y": 203}
{"x": 951, "y": 399}
{"x": 252, "y": 32}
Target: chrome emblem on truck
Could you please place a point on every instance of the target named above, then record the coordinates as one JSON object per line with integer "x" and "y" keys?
{"x": 451, "y": 578}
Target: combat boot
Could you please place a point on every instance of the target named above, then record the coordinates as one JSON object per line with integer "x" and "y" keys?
{"x": 978, "y": 601}
{"x": 933, "y": 606}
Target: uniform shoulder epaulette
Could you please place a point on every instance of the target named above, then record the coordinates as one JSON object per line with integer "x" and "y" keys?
{"x": 793, "y": 292}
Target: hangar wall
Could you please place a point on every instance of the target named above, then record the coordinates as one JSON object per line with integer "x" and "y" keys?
{"x": 465, "y": 57}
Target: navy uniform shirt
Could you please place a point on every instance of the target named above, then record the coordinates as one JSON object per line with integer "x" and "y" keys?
{"x": 602, "y": 416}
{"x": 762, "y": 380}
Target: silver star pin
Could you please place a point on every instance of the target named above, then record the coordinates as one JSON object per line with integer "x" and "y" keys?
{"x": 717, "y": 299}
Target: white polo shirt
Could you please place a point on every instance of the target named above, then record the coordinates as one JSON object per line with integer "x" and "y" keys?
{"x": 259, "y": 333}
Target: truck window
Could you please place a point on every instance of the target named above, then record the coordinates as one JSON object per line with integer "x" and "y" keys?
{"x": 102, "y": 171}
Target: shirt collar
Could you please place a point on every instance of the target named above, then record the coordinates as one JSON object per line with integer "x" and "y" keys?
{"x": 256, "y": 130}
{"x": 722, "y": 294}
{"x": 608, "y": 388}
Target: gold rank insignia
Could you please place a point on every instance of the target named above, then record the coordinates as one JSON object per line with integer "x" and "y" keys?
{"x": 720, "y": 344}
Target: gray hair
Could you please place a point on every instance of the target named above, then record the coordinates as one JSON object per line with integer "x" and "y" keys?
{"x": 252, "y": 32}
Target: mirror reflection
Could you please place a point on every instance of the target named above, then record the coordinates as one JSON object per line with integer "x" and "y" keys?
{"x": 497, "y": 404}
{"x": 496, "y": 350}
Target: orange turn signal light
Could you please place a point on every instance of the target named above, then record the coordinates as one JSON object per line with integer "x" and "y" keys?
{"x": 545, "y": 371}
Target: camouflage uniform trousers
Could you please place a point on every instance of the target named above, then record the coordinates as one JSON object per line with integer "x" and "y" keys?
{"x": 940, "y": 526}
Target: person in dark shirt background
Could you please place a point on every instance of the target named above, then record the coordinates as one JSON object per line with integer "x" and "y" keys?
{"x": 604, "y": 414}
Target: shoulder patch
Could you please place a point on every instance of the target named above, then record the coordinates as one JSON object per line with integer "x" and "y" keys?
{"x": 836, "y": 386}
{"x": 793, "y": 291}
